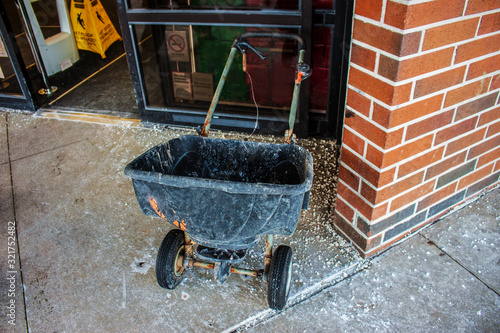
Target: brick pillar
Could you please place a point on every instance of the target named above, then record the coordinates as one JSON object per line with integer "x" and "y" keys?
{"x": 422, "y": 127}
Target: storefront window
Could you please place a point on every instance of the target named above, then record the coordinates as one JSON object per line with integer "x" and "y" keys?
{"x": 320, "y": 63}
{"x": 8, "y": 80}
{"x": 216, "y": 4}
{"x": 182, "y": 65}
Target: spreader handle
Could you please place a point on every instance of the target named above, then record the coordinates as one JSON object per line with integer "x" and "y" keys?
{"x": 300, "y": 40}
{"x": 242, "y": 44}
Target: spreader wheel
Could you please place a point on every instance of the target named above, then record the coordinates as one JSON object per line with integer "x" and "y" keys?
{"x": 169, "y": 268}
{"x": 279, "y": 278}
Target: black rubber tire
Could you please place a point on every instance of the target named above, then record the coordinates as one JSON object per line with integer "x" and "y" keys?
{"x": 279, "y": 278}
{"x": 171, "y": 247}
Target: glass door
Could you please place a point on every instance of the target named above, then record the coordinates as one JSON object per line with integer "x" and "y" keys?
{"x": 15, "y": 87}
{"x": 177, "y": 51}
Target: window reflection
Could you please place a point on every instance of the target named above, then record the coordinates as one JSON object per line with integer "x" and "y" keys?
{"x": 8, "y": 79}
{"x": 182, "y": 65}
{"x": 216, "y": 4}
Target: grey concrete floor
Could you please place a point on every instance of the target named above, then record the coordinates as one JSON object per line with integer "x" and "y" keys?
{"x": 445, "y": 278}
{"x": 87, "y": 253}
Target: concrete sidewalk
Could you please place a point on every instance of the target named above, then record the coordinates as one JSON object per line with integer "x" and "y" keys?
{"x": 445, "y": 278}
{"x": 87, "y": 253}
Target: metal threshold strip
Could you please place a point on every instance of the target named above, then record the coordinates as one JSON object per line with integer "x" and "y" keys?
{"x": 90, "y": 116}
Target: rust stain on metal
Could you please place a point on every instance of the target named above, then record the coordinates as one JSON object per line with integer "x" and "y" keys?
{"x": 179, "y": 224}
{"x": 204, "y": 131}
{"x": 155, "y": 207}
{"x": 202, "y": 264}
{"x": 187, "y": 240}
{"x": 268, "y": 253}
{"x": 179, "y": 263}
{"x": 243, "y": 271}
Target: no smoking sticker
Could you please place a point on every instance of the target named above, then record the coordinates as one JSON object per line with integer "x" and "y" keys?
{"x": 176, "y": 43}
{"x": 177, "y": 46}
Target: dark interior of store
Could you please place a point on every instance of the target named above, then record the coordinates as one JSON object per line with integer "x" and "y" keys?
{"x": 90, "y": 84}
{"x": 167, "y": 72}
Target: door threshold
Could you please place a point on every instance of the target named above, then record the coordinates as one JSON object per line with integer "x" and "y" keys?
{"x": 104, "y": 117}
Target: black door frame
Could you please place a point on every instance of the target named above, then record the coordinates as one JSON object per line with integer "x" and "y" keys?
{"x": 295, "y": 19}
{"x": 339, "y": 19}
{"x": 24, "y": 101}
{"x": 340, "y": 54}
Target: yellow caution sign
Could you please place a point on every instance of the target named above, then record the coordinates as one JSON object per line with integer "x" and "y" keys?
{"x": 92, "y": 27}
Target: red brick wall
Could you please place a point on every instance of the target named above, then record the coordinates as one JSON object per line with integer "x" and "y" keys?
{"x": 422, "y": 127}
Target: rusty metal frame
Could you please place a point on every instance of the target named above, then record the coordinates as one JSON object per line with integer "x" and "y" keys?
{"x": 188, "y": 261}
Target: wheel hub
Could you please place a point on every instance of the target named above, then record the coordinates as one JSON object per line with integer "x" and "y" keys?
{"x": 179, "y": 260}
